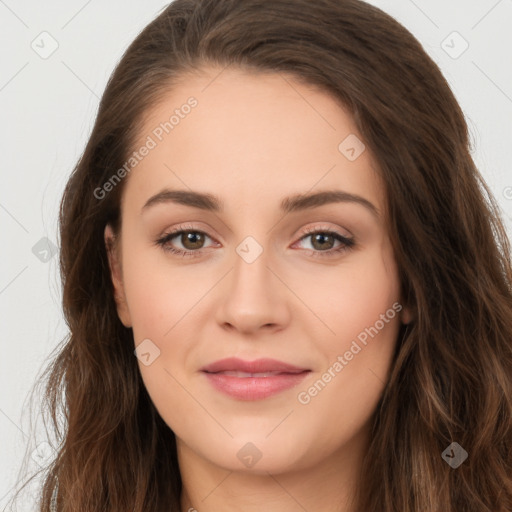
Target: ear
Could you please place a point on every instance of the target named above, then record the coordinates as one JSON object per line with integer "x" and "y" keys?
{"x": 406, "y": 315}
{"x": 114, "y": 260}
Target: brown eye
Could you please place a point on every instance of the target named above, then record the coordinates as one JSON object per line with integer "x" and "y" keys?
{"x": 184, "y": 242}
{"x": 322, "y": 241}
{"x": 192, "y": 239}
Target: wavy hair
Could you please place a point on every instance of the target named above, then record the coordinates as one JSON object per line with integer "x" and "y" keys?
{"x": 451, "y": 376}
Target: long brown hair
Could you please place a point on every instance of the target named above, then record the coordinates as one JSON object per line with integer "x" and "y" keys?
{"x": 451, "y": 379}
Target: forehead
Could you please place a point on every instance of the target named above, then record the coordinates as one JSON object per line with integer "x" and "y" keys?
{"x": 250, "y": 135}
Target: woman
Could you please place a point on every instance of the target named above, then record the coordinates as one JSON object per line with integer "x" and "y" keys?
{"x": 287, "y": 285}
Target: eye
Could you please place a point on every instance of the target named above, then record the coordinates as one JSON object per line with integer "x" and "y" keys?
{"x": 323, "y": 242}
{"x": 192, "y": 241}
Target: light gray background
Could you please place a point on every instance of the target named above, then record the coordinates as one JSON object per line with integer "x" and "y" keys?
{"x": 47, "y": 109}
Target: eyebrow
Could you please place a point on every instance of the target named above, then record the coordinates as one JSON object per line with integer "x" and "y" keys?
{"x": 294, "y": 203}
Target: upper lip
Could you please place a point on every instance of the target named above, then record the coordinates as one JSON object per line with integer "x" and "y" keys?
{"x": 256, "y": 366}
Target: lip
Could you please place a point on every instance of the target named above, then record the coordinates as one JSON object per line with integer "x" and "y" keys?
{"x": 227, "y": 376}
{"x": 256, "y": 366}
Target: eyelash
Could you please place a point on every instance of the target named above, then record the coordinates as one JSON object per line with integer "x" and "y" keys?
{"x": 346, "y": 243}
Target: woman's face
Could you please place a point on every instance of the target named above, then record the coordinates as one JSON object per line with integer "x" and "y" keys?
{"x": 257, "y": 282}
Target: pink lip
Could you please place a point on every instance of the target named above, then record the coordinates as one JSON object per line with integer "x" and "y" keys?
{"x": 284, "y": 376}
{"x": 257, "y": 366}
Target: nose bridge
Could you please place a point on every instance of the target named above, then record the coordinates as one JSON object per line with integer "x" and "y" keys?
{"x": 252, "y": 296}
{"x": 251, "y": 278}
{"x": 250, "y": 264}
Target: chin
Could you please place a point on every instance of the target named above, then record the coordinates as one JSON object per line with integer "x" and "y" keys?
{"x": 258, "y": 456}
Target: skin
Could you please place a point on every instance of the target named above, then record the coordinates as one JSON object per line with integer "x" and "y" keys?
{"x": 252, "y": 140}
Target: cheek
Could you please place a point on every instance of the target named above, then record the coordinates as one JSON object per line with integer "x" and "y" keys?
{"x": 158, "y": 294}
{"x": 159, "y": 300}
{"x": 352, "y": 296}
{"x": 361, "y": 307}
{"x": 162, "y": 300}
{"x": 366, "y": 319}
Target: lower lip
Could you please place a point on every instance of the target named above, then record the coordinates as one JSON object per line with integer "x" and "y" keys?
{"x": 254, "y": 388}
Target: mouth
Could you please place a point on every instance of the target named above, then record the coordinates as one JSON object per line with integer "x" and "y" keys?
{"x": 245, "y": 375}
{"x": 253, "y": 380}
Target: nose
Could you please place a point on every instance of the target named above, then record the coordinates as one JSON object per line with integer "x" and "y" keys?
{"x": 253, "y": 297}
